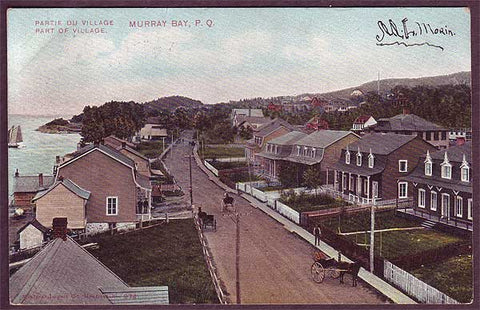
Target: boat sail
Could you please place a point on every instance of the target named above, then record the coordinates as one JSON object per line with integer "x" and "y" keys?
{"x": 15, "y": 138}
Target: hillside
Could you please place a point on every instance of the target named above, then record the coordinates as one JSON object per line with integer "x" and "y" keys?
{"x": 170, "y": 104}
{"x": 387, "y": 84}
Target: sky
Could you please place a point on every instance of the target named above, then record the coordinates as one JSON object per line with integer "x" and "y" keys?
{"x": 219, "y": 54}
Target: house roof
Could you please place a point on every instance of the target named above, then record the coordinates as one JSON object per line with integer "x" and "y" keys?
{"x": 62, "y": 273}
{"x": 130, "y": 150}
{"x": 35, "y": 224}
{"x": 106, "y": 149}
{"x": 30, "y": 183}
{"x": 361, "y": 119}
{"x": 252, "y": 120}
{"x": 153, "y": 130}
{"x": 323, "y": 138}
{"x": 143, "y": 181}
{"x": 116, "y": 142}
{"x": 288, "y": 138}
{"x": 152, "y": 295}
{"x": 271, "y": 126}
{"x": 455, "y": 153}
{"x": 378, "y": 167}
{"x": 380, "y": 143}
{"x": 74, "y": 188}
{"x": 248, "y": 112}
{"x": 406, "y": 122}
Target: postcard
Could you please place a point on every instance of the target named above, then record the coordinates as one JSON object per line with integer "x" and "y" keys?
{"x": 229, "y": 156}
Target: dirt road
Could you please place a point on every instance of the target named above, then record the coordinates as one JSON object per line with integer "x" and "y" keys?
{"x": 274, "y": 263}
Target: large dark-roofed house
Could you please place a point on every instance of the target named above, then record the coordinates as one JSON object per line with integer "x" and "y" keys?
{"x": 25, "y": 187}
{"x": 65, "y": 273}
{"x": 410, "y": 124}
{"x": 370, "y": 168}
{"x": 442, "y": 185}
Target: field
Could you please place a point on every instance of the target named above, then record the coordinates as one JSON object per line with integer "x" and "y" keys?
{"x": 169, "y": 255}
{"x": 453, "y": 277}
{"x": 221, "y": 152}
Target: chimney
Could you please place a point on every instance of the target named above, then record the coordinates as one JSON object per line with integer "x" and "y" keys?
{"x": 16, "y": 173}
{"x": 59, "y": 228}
{"x": 405, "y": 111}
{"x": 40, "y": 180}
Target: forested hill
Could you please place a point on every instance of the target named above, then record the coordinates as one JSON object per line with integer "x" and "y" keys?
{"x": 460, "y": 78}
{"x": 170, "y": 104}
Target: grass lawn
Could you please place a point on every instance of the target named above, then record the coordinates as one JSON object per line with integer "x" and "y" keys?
{"x": 453, "y": 277}
{"x": 151, "y": 149}
{"x": 221, "y": 152}
{"x": 169, "y": 255}
{"x": 310, "y": 202}
{"x": 220, "y": 165}
{"x": 393, "y": 243}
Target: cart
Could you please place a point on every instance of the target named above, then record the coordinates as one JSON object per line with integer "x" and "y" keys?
{"x": 227, "y": 202}
{"x": 322, "y": 267}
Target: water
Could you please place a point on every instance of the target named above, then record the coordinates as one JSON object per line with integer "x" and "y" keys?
{"x": 38, "y": 155}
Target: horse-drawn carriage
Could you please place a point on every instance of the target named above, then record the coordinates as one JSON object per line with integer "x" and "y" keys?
{"x": 207, "y": 220}
{"x": 324, "y": 266}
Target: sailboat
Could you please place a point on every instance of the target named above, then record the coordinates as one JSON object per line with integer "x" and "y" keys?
{"x": 15, "y": 138}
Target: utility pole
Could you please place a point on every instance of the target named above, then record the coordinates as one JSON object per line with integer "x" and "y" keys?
{"x": 372, "y": 237}
{"x": 191, "y": 187}
{"x": 237, "y": 256}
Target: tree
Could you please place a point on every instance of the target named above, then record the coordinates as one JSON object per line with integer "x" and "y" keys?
{"x": 289, "y": 174}
{"x": 312, "y": 178}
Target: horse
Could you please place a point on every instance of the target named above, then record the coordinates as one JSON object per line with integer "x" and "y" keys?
{"x": 350, "y": 268}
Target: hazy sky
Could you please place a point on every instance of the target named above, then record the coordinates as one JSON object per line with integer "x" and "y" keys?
{"x": 244, "y": 53}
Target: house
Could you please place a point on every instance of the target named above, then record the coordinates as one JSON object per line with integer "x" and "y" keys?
{"x": 64, "y": 273}
{"x": 238, "y": 114}
{"x": 142, "y": 163}
{"x": 362, "y": 122}
{"x": 32, "y": 234}
{"x": 271, "y": 130}
{"x": 119, "y": 195}
{"x": 276, "y": 151}
{"x": 115, "y": 142}
{"x": 252, "y": 122}
{"x": 25, "y": 187}
{"x": 368, "y": 170}
{"x": 329, "y": 108}
{"x": 410, "y": 124}
{"x": 442, "y": 184}
{"x": 316, "y": 123}
{"x": 274, "y": 107}
{"x": 319, "y": 149}
{"x": 63, "y": 199}
{"x": 318, "y": 102}
{"x": 152, "y": 132}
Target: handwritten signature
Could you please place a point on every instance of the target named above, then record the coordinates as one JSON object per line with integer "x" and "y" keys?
{"x": 405, "y": 33}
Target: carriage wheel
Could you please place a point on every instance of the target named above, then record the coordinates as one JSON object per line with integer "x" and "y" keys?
{"x": 318, "y": 272}
{"x": 333, "y": 272}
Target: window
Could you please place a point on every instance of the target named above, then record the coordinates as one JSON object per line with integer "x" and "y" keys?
{"x": 435, "y": 135}
{"x": 350, "y": 184}
{"x": 433, "y": 201}
{"x": 402, "y": 190}
{"x": 305, "y": 151}
{"x": 444, "y": 135}
{"x": 112, "y": 205}
{"x": 459, "y": 206}
{"x": 428, "y": 136}
{"x": 371, "y": 161}
{"x": 465, "y": 174}
{"x": 344, "y": 181}
{"x": 469, "y": 209}
{"x": 447, "y": 171}
{"x": 428, "y": 168}
{"x": 314, "y": 152}
{"x": 421, "y": 198}
{"x": 298, "y": 150}
{"x": 347, "y": 157}
{"x": 359, "y": 159}
{"x": 403, "y": 165}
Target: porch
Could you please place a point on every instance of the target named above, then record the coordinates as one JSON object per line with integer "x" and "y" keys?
{"x": 448, "y": 221}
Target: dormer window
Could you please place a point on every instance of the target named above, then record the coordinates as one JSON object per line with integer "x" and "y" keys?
{"x": 347, "y": 157}
{"x": 305, "y": 151}
{"x": 371, "y": 159}
{"x": 276, "y": 149}
{"x": 359, "y": 159}
{"x": 446, "y": 168}
{"x": 465, "y": 170}
{"x": 428, "y": 164}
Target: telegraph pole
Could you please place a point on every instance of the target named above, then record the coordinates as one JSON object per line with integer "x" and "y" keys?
{"x": 372, "y": 237}
{"x": 237, "y": 256}
{"x": 191, "y": 187}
